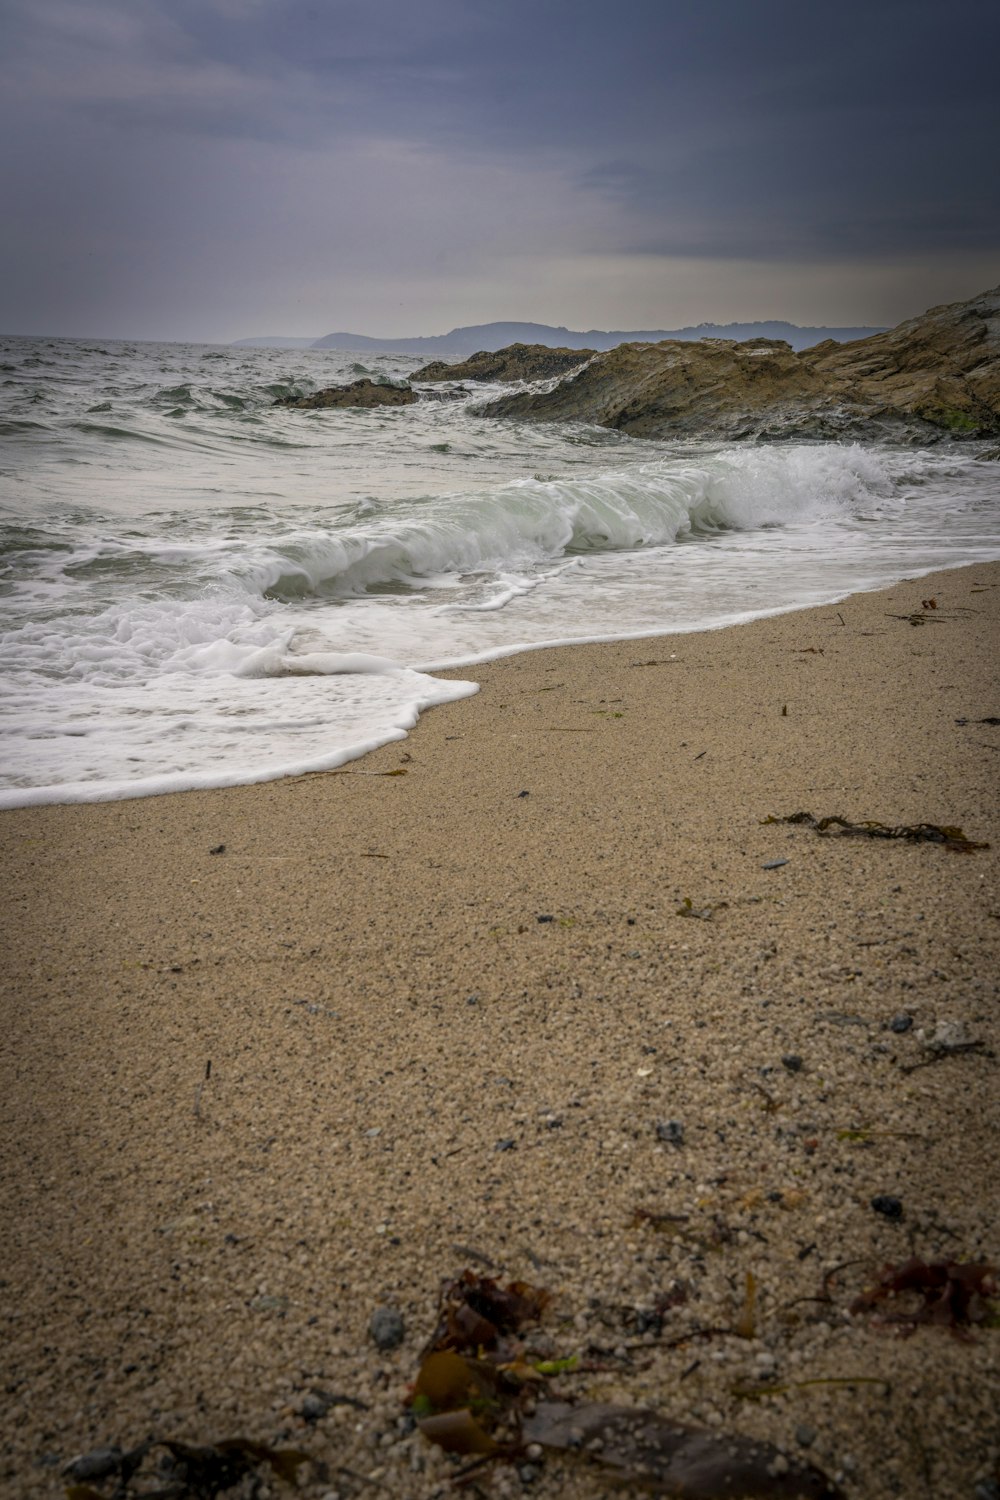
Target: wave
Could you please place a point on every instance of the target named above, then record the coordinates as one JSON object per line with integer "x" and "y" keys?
{"x": 534, "y": 522}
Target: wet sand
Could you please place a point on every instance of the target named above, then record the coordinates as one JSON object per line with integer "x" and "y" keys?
{"x": 445, "y": 1013}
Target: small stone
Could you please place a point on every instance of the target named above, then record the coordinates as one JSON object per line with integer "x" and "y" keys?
{"x": 888, "y": 1206}
{"x": 524, "y": 794}
{"x": 387, "y": 1328}
{"x": 947, "y": 1036}
{"x": 315, "y": 1404}
{"x": 99, "y": 1464}
{"x": 507, "y": 1144}
{"x": 774, "y": 864}
{"x": 219, "y": 849}
{"x": 792, "y": 1062}
{"x": 545, "y": 917}
{"x": 805, "y": 1435}
{"x": 671, "y": 1131}
{"x": 901, "y": 1023}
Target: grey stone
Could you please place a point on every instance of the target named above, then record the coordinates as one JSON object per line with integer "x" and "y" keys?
{"x": 888, "y": 1206}
{"x": 901, "y": 1023}
{"x": 387, "y": 1328}
{"x": 671, "y": 1131}
{"x": 101, "y": 1463}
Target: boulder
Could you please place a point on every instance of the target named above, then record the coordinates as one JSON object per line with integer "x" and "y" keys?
{"x": 931, "y": 377}
{"x": 358, "y": 393}
{"x": 516, "y": 362}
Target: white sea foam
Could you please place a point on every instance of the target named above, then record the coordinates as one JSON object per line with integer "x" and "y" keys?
{"x": 264, "y": 595}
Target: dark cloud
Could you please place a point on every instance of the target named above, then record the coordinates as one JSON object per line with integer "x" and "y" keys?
{"x": 208, "y": 155}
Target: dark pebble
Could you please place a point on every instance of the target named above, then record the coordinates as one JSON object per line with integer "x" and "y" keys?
{"x": 901, "y": 1023}
{"x": 792, "y": 1062}
{"x": 805, "y": 1435}
{"x": 524, "y": 794}
{"x": 387, "y": 1328}
{"x": 100, "y": 1464}
{"x": 507, "y": 1144}
{"x": 774, "y": 864}
{"x": 888, "y": 1206}
{"x": 546, "y": 918}
{"x": 316, "y": 1404}
{"x": 219, "y": 849}
{"x": 671, "y": 1131}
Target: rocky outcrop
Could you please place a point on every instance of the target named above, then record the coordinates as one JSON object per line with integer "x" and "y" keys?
{"x": 358, "y": 393}
{"x": 934, "y": 376}
{"x": 516, "y": 362}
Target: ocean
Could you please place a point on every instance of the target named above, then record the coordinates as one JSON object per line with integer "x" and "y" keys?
{"x": 198, "y": 588}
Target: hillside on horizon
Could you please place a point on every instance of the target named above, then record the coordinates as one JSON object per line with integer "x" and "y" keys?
{"x": 459, "y": 343}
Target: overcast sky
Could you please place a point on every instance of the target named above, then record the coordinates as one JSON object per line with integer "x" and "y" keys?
{"x": 210, "y": 169}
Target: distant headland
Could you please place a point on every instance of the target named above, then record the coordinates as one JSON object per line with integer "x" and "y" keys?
{"x": 461, "y": 342}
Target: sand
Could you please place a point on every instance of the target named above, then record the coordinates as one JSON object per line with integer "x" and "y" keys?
{"x": 445, "y": 1012}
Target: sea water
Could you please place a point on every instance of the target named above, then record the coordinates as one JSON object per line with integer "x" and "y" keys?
{"x": 200, "y": 588}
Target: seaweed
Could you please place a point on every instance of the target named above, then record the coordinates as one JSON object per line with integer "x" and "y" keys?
{"x": 644, "y": 1448}
{"x": 947, "y": 1293}
{"x": 198, "y": 1472}
{"x": 914, "y": 833}
{"x": 478, "y": 1395}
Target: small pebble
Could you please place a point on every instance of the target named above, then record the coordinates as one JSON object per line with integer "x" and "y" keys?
{"x": 545, "y": 917}
{"x": 671, "y": 1131}
{"x": 507, "y": 1144}
{"x": 774, "y": 864}
{"x": 387, "y": 1328}
{"x": 888, "y": 1206}
{"x": 315, "y": 1404}
{"x": 524, "y": 794}
{"x": 219, "y": 849}
{"x": 805, "y": 1435}
{"x": 792, "y": 1062}
{"x": 99, "y": 1464}
{"x": 901, "y": 1023}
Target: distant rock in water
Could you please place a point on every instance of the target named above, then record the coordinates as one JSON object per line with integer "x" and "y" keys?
{"x": 358, "y": 393}
{"x": 516, "y": 362}
{"x": 934, "y": 376}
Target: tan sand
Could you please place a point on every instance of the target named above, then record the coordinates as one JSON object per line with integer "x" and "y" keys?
{"x": 365, "y": 966}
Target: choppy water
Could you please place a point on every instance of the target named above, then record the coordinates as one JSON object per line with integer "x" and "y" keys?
{"x": 199, "y": 589}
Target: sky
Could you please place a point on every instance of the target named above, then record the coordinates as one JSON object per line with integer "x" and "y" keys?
{"x": 217, "y": 169}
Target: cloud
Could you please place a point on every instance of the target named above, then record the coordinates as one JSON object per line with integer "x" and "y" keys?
{"x": 164, "y": 158}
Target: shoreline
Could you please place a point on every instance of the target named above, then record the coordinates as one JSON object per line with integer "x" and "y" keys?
{"x": 409, "y": 1064}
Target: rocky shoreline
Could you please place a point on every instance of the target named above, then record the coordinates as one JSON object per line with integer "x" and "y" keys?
{"x": 932, "y": 377}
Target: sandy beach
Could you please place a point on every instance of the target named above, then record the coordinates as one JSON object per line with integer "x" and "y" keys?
{"x": 556, "y": 1004}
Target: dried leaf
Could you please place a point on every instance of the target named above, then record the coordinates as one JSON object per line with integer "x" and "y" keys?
{"x": 458, "y": 1432}
{"x": 668, "y": 1458}
{"x": 448, "y": 1380}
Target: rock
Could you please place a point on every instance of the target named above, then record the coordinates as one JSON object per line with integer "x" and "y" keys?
{"x": 671, "y": 1131}
{"x": 901, "y": 1023}
{"x": 315, "y": 1405}
{"x": 947, "y": 1036}
{"x": 387, "y": 1328}
{"x": 358, "y": 393}
{"x": 934, "y": 376}
{"x": 99, "y": 1464}
{"x": 792, "y": 1062}
{"x": 516, "y": 362}
{"x": 888, "y": 1206}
